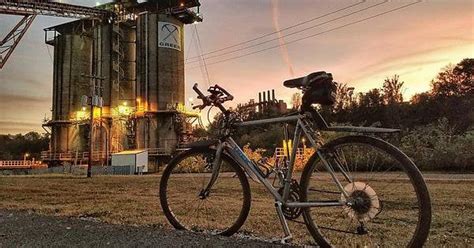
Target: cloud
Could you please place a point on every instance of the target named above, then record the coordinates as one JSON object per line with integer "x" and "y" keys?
{"x": 18, "y": 123}
{"x": 459, "y": 39}
{"x": 385, "y": 67}
{"x": 14, "y": 126}
{"x": 6, "y": 98}
{"x": 400, "y": 61}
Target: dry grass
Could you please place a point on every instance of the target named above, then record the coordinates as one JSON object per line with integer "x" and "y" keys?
{"x": 133, "y": 200}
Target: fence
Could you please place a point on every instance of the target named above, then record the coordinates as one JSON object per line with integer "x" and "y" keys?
{"x": 21, "y": 164}
{"x": 96, "y": 156}
{"x": 71, "y": 156}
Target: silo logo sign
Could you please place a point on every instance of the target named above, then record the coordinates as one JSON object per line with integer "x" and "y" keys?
{"x": 169, "y": 35}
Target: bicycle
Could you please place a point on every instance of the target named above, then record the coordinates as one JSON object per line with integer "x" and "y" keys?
{"x": 343, "y": 198}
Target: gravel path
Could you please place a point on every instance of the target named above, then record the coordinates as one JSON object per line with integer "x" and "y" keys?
{"x": 23, "y": 229}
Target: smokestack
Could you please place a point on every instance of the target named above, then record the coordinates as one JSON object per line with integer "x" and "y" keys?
{"x": 259, "y": 97}
{"x": 273, "y": 94}
{"x": 269, "y": 96}
{"x": 264, "y": 97}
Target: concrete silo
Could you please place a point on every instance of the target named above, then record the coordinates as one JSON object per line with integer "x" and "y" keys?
{"x": 72, "y": 52}
{"x": 160, "y": 79}
{"x": 135, "y": 61}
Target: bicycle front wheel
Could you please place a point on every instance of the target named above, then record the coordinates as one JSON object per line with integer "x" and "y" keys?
{"x": 387, "y": 202}
{"x": 221, "y": 211}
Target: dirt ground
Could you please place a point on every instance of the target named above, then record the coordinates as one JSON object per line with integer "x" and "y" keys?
{"x": 133, "y": 201}
{"x": 21, "y": 229}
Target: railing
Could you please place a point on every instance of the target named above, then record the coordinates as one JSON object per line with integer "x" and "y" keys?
{"x": 21, "y": 164}
{"x": 70, "y": 156}
{"x": 280, "y": 153}
{"x": 157, "y": 152}
{"x": 96, "y": 156}
{"x": 49, "y": 8}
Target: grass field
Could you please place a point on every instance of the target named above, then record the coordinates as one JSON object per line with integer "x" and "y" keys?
{"x": 133, "y": 200}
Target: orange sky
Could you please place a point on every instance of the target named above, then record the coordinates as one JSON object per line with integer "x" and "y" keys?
{"x": 415, "y": 43}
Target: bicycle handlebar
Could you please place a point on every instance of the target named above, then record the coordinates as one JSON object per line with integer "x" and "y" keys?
{"x": 200, "y": 94}
{"x": 217, "y": 97}
{"x": 228, "y": 97}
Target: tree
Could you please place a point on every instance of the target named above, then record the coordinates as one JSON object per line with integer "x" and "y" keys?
{"x": 455, "y": 80}
{"x": 392, "y": 90}
{"x": 420, "y": 98}
{"x": 15, "y": 146}
{"x": 373, "y": 98}
{"x": 343, "y": 97}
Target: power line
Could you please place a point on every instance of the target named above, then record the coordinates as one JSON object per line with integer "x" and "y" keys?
{"x": 189, "y": 47}
{"x": 281, "y": 30}
{"x": 317, "y": 34}
{"x": 196, "y": 46}
{"x": 200, "y": 52}
{"x": 200, "y": 56}
{"x": 293, "y": 33}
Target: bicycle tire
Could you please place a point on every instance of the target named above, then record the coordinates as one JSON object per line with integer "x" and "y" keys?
{"x": 245, "y": 187}
{"x": 415, "y": 177}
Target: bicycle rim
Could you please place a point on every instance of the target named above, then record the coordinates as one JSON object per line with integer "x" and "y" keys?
{"x": 222, "y": 211}
{"x": 390, "y": 201}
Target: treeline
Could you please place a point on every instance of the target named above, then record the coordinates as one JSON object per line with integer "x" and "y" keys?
{"x": 437, "y": 125}
{"x": 14, "y": 147}
{"x": 451, "y": 96}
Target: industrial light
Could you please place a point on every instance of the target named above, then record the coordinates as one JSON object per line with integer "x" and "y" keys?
{"x": 124, "y": 103}
{"x": 97, "y": 113}
{"x": 124, "y": 110}
{"x": 82, "y": 114}
{"x": 287, "y": 145}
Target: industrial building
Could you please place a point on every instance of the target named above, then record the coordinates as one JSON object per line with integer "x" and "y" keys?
{"x": 122, "y": 64}
{"x": 266, "y": 102}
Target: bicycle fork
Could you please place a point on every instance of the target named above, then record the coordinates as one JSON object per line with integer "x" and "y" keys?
{"x": 216, "y": 165}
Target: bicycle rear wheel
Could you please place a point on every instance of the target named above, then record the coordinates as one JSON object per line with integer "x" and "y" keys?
{"x": 223, "y": 211}
{"x": 389, "y": 201}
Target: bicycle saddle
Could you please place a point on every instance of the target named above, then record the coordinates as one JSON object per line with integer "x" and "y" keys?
{"x": 313, "y": 78}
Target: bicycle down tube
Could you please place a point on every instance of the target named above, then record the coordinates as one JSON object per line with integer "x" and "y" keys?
{"x": 233, "y": 149}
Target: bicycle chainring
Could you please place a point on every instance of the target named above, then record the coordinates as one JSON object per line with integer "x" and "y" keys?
{"x": 294, "y": 196}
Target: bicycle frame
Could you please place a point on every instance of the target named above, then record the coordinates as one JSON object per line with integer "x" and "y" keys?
{"x": 233, "y": 149}
{"x": 303, "y": 127}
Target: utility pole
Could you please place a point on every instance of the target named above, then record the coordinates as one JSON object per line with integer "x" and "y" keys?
{"x": 93, "y": 100}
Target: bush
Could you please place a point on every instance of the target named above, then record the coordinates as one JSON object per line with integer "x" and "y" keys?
{"x": 436, "y": 147}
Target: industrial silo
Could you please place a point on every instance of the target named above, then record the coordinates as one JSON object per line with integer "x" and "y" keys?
{"x": 72, "y": 51}
{"x": 86, "y": 54}
{"x": 160, "y": 79}
{"x": 135, "y": 60}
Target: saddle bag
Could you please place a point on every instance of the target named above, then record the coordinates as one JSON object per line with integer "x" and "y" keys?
{"x": 321, "y": 91}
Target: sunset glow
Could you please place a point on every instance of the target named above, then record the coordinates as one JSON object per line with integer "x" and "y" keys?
{"x": 415, "y": 43}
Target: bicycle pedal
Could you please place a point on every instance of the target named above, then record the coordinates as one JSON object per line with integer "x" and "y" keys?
{"x": 284, "y": 240}
{"x": 287, "y": 239}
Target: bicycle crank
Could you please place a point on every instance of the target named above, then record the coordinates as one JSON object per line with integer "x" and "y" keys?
{"x": 294, "y": 196}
